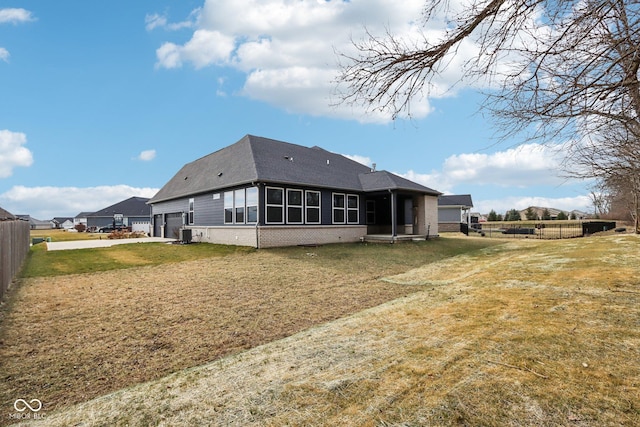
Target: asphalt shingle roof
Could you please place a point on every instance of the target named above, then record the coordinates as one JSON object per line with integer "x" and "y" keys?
{"x": 6, "y": 215}
{"x": 133, "y": 206}
{"x": 456, "y": 200}
{"x": 254, "y": 159}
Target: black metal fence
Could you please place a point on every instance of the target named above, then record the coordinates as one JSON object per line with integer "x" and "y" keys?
{"x": 541, "y": 229}
{"x": 14, "y": 247}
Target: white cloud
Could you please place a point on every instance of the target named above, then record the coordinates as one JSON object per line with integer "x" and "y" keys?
{"x": 147, "y": 155}
{"x": 154, "y": 21}
{"x": 15, "y": 16}
{"x": 532, "y": 166}
{"x": 205, "y": 48}
{"x": 432, "y": 180}
{"x": 12, "y": 16}
{"x": 520, "y": 167}
{"x": 12, "y": 152}
{"x": 48, "y": 202}
{"x": 364, "y": 160}
{"x": 287, "y": 50}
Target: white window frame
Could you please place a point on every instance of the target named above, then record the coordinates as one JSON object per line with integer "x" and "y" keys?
{"x": 307, "y": 207}
{"x": 356, "y": 209}
{"x": 299, "y": 207}
{"x": 239, "y": 206}
{"x": 267, "y": 205}
{"x": 227, "y": 206}
{"x": 192, "y": 203}
{"x": 338, "y": 208}
{"x": 247, "y": 205}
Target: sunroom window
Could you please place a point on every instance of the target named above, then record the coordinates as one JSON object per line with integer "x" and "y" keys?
{"x": 228, "y": 207}
{"x": 252, "y": 204}
{"x": 313, "y": 207}
{"x": 294, "y": 206}
{"x": 239, "y": 206}
{"x": 338, "y": 208}
{"x": 352, "y": 209}
{"x": 275, "y": 205}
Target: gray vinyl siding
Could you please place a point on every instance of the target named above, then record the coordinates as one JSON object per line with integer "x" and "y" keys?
{"x": 449, "y": 214}
{"x": 171, "y": 206}
{"x": 207, "y": 211}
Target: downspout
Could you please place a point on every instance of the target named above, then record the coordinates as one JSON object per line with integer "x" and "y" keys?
{"x": 257, "y": 227}
{"x": 394, "y": 219}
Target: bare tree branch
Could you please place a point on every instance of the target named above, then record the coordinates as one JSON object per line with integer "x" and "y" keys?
{"x": 556, "y": 71}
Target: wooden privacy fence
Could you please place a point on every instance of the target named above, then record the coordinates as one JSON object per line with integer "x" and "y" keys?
{"x": 14, "y": 247}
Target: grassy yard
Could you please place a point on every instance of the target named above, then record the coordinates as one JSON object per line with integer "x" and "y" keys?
{"x": 527, "y": 333}
{"x": 88, "y": 322}
{"x": 62, "y": 235}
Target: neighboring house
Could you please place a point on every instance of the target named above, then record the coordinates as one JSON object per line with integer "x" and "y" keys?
{"x": 64, "y": 223}
{"x": 454, "y": 210}
{"x": 263, "y": 193}
{"x": 134, "y": 210}
{"x": 553, "y": 213}
{"x": 6, "y": 215}
{"x": 36, "y": 224}
{"x": 81, "y": 219}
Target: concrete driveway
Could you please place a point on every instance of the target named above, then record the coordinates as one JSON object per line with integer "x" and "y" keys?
{"x": 101, "y": 243}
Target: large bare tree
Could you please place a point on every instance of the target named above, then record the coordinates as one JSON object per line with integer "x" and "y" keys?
{"x": 614, "y": 159}
{"x": 557, "y": 71}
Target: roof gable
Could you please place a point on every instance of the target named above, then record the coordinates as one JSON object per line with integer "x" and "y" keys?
{"x": 383, "y": 180}
{"x": 254, "y": 159}
{"x": 230, "y": 166}
{"x": 6, "y": 215}
{"x": 133, "y": 206}
{"x": 455, "y": 200}
{"x": 295, "y": 164}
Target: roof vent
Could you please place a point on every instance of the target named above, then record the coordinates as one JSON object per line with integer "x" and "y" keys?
{"x": 289, "y": 158}
{"x": 373, "y": 167}
{"x": 219, "y": 173}
{"x": 327, "y": 161}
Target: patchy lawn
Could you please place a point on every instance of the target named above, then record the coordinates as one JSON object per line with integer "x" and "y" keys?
{"x": 528, "y": 333}
{"x": 65, "y": 339}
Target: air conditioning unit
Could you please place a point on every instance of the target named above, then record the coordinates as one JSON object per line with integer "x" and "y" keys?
{"x": 185, "y": 235}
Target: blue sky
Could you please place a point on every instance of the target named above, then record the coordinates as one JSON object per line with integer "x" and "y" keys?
{"x": 101, "y": 101}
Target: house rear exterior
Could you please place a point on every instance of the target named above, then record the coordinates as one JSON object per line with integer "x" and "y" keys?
{"x": 127, "y": 213}
{"x": 454, "y": 210}
{"x": 264, "y": 193}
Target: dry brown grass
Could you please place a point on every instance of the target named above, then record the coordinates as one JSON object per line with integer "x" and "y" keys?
{"x": 67, "y": 339}
{"x": 530, "y": 333}
{"x": 527, "y": 334}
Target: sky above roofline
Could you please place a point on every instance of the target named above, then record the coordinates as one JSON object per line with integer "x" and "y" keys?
{"x": 104, "y": 101}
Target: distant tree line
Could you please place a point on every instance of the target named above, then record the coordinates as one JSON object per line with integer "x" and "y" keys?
{"x": 530, "y": 215}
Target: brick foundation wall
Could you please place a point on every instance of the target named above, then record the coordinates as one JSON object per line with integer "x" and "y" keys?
{"x": 309, "y": 235}
{"x": 274, "y": 236}
{"x": 446, "y": 227}
{"x": 241, "y": 236}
